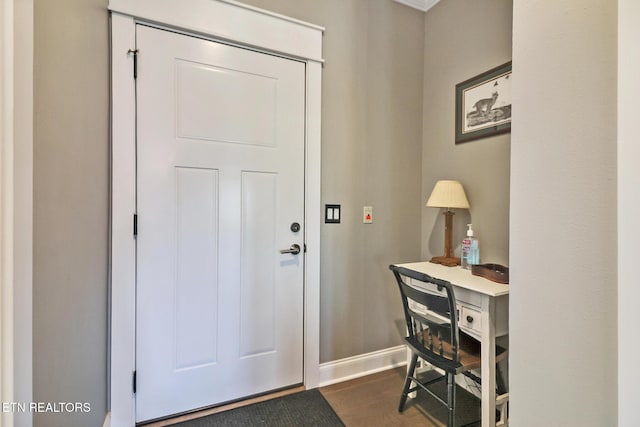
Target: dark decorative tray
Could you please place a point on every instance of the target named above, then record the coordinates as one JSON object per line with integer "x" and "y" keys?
{"x": 494, "y": 272}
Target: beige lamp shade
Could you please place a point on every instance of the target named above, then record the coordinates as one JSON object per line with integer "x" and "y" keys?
{"x": 448, "y": 194}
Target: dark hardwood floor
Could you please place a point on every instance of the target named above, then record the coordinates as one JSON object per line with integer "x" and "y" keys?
{"x": 373, "y": 401}
{"x": 368, "y": 401}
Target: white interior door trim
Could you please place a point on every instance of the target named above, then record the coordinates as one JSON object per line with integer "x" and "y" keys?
{"x": 211, "y": 18}
{"x": 6, "y": 208}
{"x": 16, "y": 206}
{"x": 262, "y": 29}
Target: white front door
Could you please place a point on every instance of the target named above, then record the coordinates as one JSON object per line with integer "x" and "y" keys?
{"x": 220, "y": 186}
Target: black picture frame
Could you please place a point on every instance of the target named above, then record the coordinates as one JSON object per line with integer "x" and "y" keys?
{"x": 483, "y": 105}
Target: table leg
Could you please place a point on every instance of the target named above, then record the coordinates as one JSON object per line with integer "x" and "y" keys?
{"x": 488, "y": 367}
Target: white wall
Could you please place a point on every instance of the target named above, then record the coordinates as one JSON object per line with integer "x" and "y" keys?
{"x": 563, "y": 300}
{"x": 628, "y": 208}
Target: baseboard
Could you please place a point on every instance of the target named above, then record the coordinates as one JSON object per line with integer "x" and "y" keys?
{"x": 107, "y": 420}
{"x": 361, "y": 365}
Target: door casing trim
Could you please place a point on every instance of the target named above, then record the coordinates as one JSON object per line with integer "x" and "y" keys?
{"x": 254, "y": 28}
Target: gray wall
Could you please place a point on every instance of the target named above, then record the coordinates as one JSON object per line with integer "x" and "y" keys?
{"x": 463, "y": 39}
{"x": 371, "y": 136}
{"x": 371, "y": 149}
{"x": 563, "y": 298}
{"x": 71, "y": 193}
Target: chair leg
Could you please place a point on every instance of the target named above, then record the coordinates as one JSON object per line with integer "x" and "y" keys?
{"x": 451, "y": 399}
{"x": 407, "y": 382}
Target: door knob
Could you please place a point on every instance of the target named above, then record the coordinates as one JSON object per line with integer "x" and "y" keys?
{"x": 294, "y": 249}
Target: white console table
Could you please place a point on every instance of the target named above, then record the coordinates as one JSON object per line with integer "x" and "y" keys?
{"x": 484, "y": 314}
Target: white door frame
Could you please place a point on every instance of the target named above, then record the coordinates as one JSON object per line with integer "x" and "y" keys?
{"x": 16, "y": 206}
{"x": 238, "y": 24}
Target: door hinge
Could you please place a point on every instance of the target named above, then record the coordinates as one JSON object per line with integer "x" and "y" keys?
{"x": 134, "y": 381}
{"x": 134, "y": 52}
{"x": 135, "y": 225}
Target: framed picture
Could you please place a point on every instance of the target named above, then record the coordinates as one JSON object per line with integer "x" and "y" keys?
{"x": 483, "y": 105}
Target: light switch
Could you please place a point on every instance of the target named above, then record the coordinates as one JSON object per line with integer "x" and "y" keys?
{"x": 367, "y": 215}
{"x": 332, "y": 214}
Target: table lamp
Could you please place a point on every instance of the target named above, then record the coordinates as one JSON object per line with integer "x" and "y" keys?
{"x": 448, "y": 194}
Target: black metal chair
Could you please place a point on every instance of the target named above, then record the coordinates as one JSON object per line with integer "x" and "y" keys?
{"x": 433, "y": 336}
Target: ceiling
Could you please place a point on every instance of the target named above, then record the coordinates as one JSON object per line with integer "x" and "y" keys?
{"x": 422, "y": 5}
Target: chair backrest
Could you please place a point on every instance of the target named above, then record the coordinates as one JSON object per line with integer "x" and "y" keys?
{"x": 430, "y": 313}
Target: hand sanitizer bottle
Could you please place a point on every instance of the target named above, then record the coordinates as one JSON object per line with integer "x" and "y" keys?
{"x": 470, "y": 250}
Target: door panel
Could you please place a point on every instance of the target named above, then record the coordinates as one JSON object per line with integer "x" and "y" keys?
{"x": 196, "y": 285}
{"x": 258, "y": 273}
{"x": 220, "y": 178}
{"x": 233, "y": 90}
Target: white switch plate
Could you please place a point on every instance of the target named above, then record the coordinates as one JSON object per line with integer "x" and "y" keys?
{"x": 367, "y": 215}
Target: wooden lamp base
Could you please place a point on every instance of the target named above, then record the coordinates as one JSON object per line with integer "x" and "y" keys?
{"x": 447, "y": 259}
